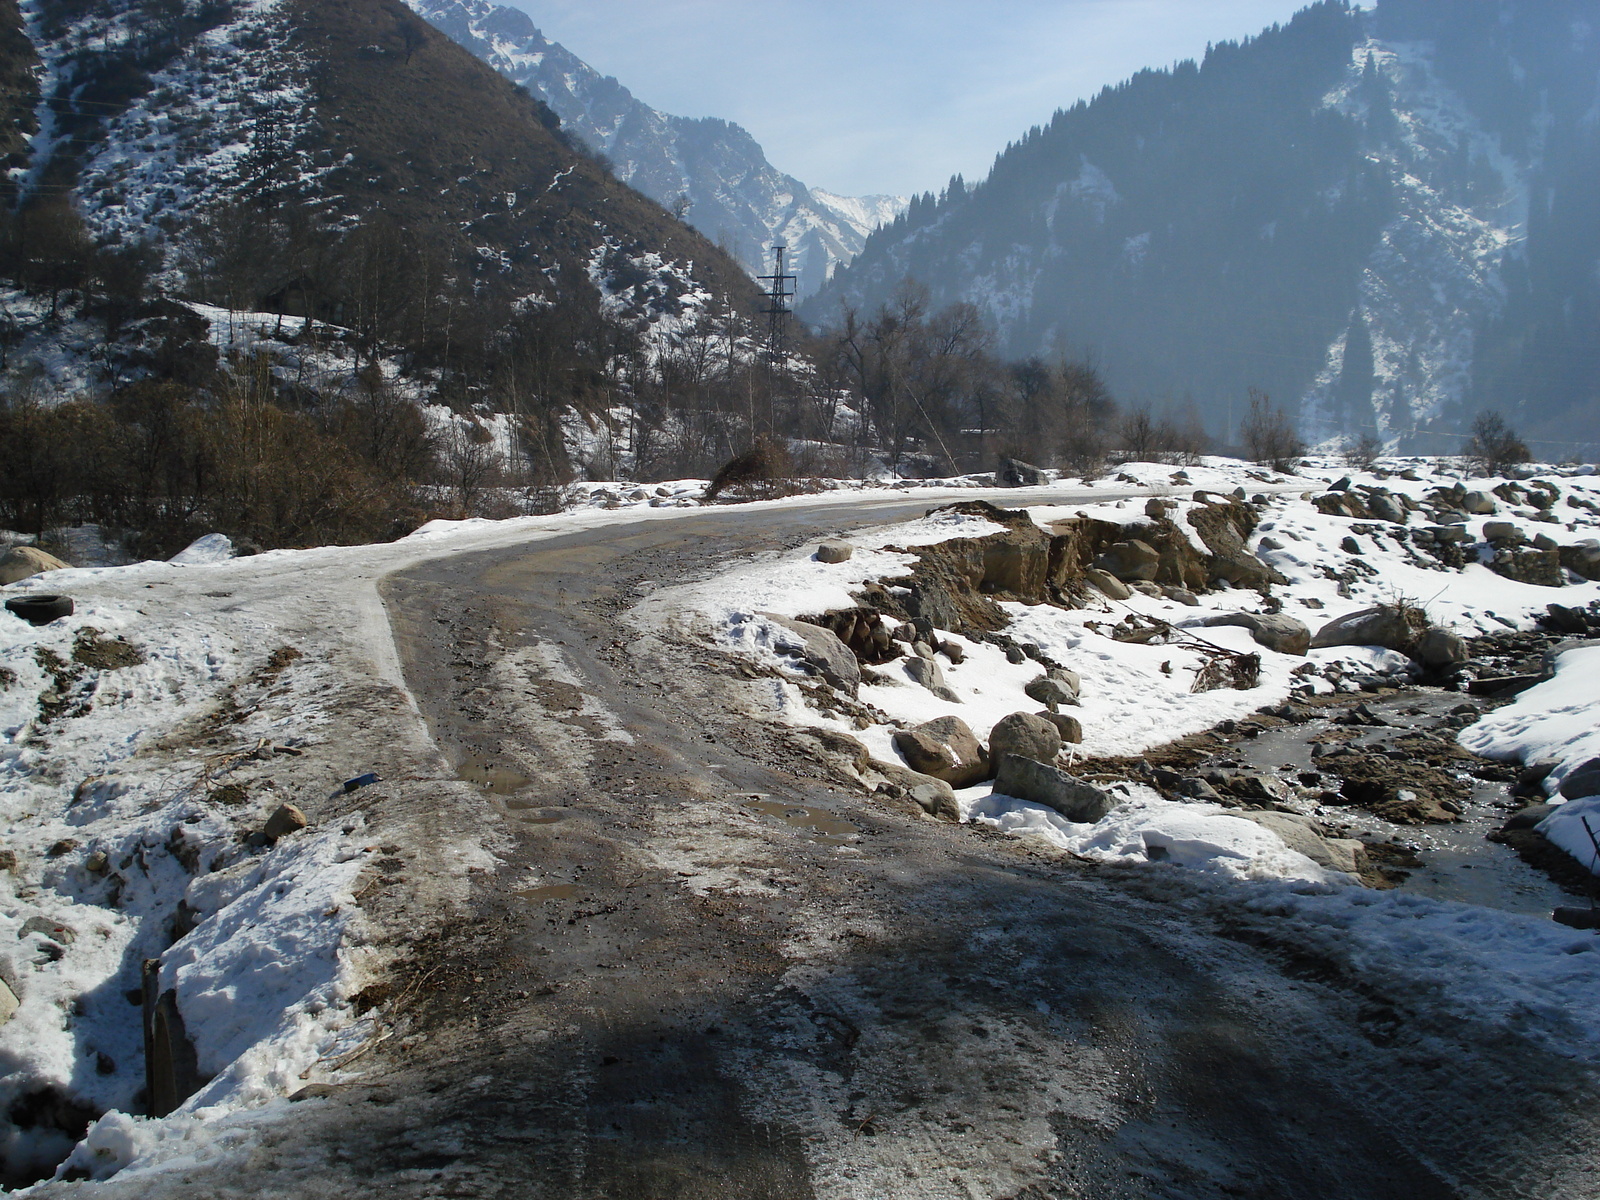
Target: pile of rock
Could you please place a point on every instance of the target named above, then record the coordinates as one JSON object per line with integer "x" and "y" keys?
{"x": 1021, "y": 758}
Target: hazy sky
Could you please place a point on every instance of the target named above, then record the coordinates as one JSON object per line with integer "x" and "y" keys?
{"x": 862, "y": 96}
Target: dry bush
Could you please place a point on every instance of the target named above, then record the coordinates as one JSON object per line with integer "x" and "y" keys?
{"x": 763, "y": 472}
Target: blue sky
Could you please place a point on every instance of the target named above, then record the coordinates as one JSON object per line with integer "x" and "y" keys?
{"x": 886, "y": 95}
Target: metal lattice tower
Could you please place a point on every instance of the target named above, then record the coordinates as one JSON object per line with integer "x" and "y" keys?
{"x": 777, "y": 307}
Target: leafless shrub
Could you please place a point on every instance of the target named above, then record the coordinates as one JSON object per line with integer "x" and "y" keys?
{"x": 1269, "y": 436}
{"x": 762, "y": 472}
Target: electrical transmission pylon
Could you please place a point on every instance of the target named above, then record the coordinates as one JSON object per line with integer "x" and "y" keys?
{"x": 777, "y": 308}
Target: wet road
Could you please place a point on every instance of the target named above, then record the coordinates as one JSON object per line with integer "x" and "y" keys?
{"x": 667, "y": 989}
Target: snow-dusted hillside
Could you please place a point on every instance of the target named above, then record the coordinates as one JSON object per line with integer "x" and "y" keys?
{"x": 1436, "y": 272}
{"x": 1339, "y": 212}
{"x": 712, "y": 172}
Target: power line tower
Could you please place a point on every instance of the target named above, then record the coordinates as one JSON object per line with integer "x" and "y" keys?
{"x": 777, "y": 308}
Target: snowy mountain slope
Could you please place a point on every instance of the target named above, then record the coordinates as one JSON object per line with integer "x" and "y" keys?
{"x": 156, "y": 123}
{"x": 1338, "y": 211}
{"x": 712, "y": 171}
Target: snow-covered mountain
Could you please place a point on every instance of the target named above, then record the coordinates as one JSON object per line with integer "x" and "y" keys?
{"x": 344, "y": 160}
{"x": 712, "y": 172}
{"x": 1385, "y": 218}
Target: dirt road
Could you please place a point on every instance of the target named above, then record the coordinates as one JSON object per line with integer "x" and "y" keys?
{"x": 705, "y": 969}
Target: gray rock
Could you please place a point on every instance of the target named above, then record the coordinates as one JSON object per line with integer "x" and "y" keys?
{"x": 1302, "y": 834}
{"x": 1582, "y": 781}
{"x": 821, "y": 649}
{"x": 1582, "y": 559}
{"x": 1252, "y": 785}
{"x": 927, "y": 673}
{"x": 1067, "y": 678}
{"x": 934, "y": 796}
{"x": 1439, "y": 647}
{"x": 1051, "y": 693}
{"x": 54, "y": 930}
{"x": 285, "y": 819}
{"x": 937, "y": 800}
{"x": 1107, "y": 583}
{"x": 1385, "y": 625}
{"x": 8, "y": 1002}
{"x": 953, "y": 652}
{"x": 1449, "y": 533}
{"x": 1070, "y": 728}
{"x": 1478, "y": 504}
{"x": 1543, "y": 541}
{"x": 1269, "y": 543}
{"x": 1015, "y": 473}
{"x": 1275, "y": 631}
{"x": 1384, "y": 507}
{"x": 1503, "y": 532}
{"x": 1077, "y": 801}
{"x": 1350, "y": 546}
{"x": 835, "y": 552}
{"x": 1181, "y": 596}
{"x": 1528, "y": 818}
{"x": 1156, "y": 508}
{"x": 1026, "y": 735}
{"x": 1130, "y": 560}
{"x": 945, "y": 748}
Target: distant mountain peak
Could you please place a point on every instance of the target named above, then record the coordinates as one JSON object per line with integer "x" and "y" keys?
{"x": 711, "y": 170}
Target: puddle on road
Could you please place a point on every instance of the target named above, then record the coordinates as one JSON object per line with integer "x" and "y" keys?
{"x": 553, "y": 891}
{"x": 502, "y": 781}
{"x": 818, "y": 822}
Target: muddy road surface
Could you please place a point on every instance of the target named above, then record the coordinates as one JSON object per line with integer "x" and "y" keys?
{"x": 708, "y": 968}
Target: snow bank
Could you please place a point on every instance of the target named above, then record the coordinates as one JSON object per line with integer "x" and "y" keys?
{"x": 1557, "y": 721}
{"x": 1144, "y": 827}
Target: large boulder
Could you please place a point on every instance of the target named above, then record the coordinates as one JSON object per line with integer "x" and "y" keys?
{"x": 1025, "y": 779}
{"x": 1440, "y": 647}
{"x": 1026, "y": 735}
{"x": 1275, "y": 631}
{"x": 1503, "y": 533}
{"x": 1385, "y": 507}
{"x": 1305, "y": 836}
{"x": 1069, "y": 727}
{"x": 1016, "y": 473}
{"x": 1107, "y": 583}
{"x": 1223, "y": 528}
{"x": 1052, "y": 693}
{"x": 835, "y": 552}
{"x": 1526, "y": 564}
{"x": 24, "y": 562}
{"x": 1131, "y": 560}
{"x": 1478, "y": 504}
{"x": 927, "y": 673}
{"x": 1386, "y": 625}
{"x": 1583, "y": 559}
{"x": 1582, "y": 781}
{"x": 1067, "y": 678}
{"x": 945, "y": 749}
{"x": 820, "y": 649}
